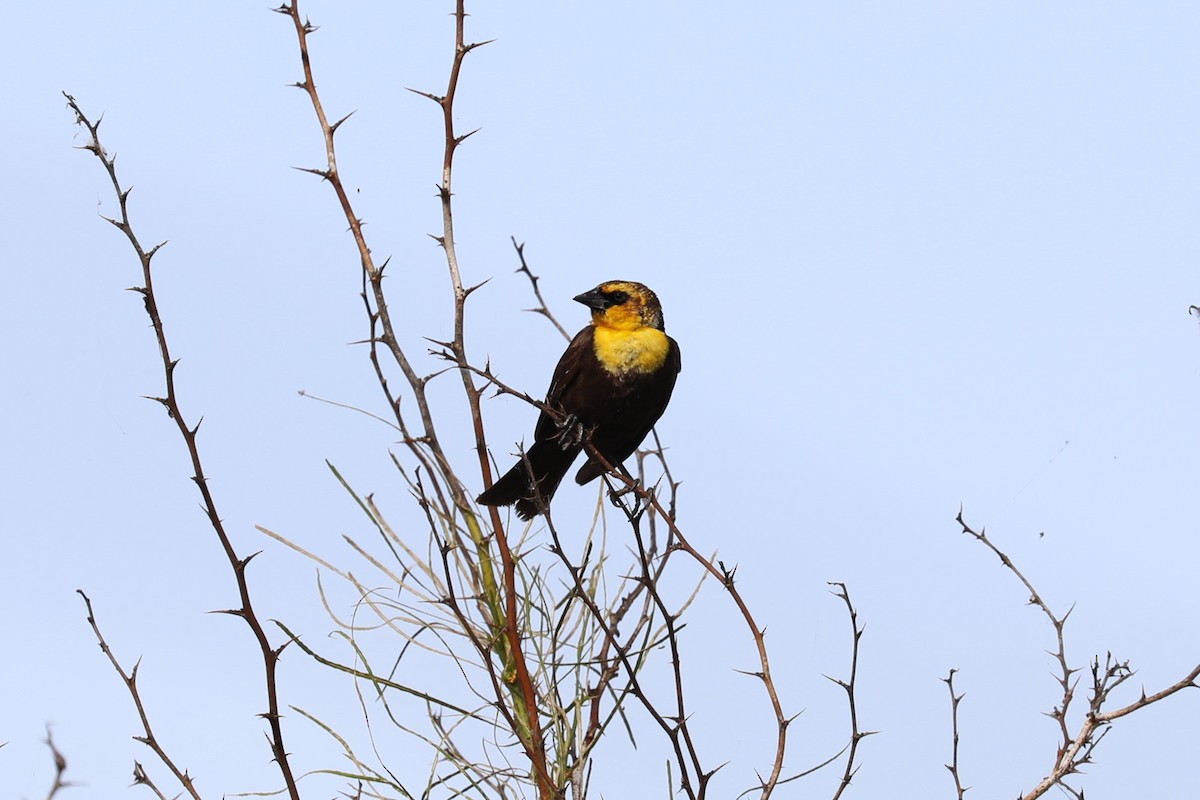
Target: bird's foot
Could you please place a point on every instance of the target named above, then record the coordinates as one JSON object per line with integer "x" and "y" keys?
{"x": 571, "y": 432}
{"x": 617, "y": 498}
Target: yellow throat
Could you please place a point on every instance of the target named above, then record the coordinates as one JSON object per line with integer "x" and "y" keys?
{"x": 622, "y": 350}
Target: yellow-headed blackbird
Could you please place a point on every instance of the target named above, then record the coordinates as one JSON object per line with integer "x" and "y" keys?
{"x": 612, "y": 384}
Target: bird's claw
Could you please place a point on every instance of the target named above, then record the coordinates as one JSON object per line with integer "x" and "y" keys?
{"x": 571, "y": 432}
{"x": 617, "y": 497}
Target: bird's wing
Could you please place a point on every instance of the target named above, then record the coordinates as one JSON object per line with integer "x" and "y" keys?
{"x": 565, "y": 375}
{"x": 674, "y": 360}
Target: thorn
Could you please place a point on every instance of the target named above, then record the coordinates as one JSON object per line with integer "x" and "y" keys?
{"x": 435, "y": 98}
{"x": 322, "y": 173}
{"x": 469, "y": 289}
{"x": 333, "y": 128}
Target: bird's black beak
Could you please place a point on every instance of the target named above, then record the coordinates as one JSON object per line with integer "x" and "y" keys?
{"x": 593, "y": 299}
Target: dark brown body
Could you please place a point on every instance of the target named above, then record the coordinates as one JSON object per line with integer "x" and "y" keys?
{"x": 616, "y": 409}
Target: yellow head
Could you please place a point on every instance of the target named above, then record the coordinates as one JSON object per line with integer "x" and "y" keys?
{"x": 623, "y": 306}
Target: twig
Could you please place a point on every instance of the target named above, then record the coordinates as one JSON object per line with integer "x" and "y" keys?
{"x": 681, "y": 734}
{"x": 726, "y": 577}
{"x": 856, "y": 735}
{"x": 170, "y": 402}
{"x": 141, "y": 778}
{"x": 60, "y": 767}
{"x": 675, "y": 727}
{"x": 542, "y": 308}
{"x": 525, "y": 695}
{"x": 1076, "y": 749}
{"x": 130, "y": 681}
{"x": 955, "y": 699}
{"x": 502, "y": 603}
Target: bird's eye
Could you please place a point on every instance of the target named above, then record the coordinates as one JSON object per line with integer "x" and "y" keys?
{"x": 617, "y": 298}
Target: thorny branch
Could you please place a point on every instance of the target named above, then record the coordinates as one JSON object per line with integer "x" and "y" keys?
{"x": 1075, "y": 749}
{"x": 856, "y": 735}
{"x": 693, "y": 778}
{"x": 149, "y": 739}
{"x": 502, "y": 603}
{"x": 955, "y": 699}
{"x": 141, "y": 778}
{"x": 647, "y": 498}
{"x": 60, "y": 767}
{"x": 541, "y": 307}
{"x": 726, "y": 577}
{"x": 170, "y": 402}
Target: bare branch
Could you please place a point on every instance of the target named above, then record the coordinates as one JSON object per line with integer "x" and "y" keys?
{"x": 60, "y": 767}
{"x": 959, "y": 790}
{"x": 130, "y": 681}
{"x": 1076, "y": 748}
{"x": 856, "y": 734}
{"x": 541, "y": 308}
{"x": 170, "y": 401}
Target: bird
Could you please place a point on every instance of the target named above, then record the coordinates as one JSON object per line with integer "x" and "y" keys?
{"x": 611, "y": 385}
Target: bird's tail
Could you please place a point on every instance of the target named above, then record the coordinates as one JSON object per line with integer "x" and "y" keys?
{"x": 550, "y": 463}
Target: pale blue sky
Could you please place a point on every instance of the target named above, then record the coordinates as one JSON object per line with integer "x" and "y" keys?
{"x": 916, "y": 254}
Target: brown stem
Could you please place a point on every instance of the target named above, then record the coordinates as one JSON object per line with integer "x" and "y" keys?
{"x": 525, "y": 696}
{"x": 673, "y": 727}
{"x": 541, "y": 308}
{"x": 959, "y": 790}
{"x": 60, "y": 767}
{"x": 170, "y": 401}
{"x": 856, "y": 735}
{"x": 1076, "y": 749}
{"x": 149, "y": 739}
{"x": 726, "y": 576}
